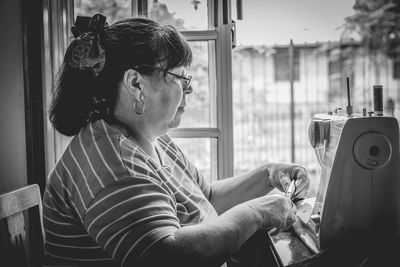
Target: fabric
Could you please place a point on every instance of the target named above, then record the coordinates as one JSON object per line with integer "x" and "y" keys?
{"x": 107, "y": 202}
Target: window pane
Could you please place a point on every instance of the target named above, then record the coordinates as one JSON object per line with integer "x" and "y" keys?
{"x": 200, "y": 109}
{"x": 201, "y": 152}
{"x": 114, "y": 10}
{"x": 185, "y": 15}
{"x": 324, "y": 55}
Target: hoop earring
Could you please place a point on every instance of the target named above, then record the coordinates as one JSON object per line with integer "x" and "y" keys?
{"x": 138, "y": 104}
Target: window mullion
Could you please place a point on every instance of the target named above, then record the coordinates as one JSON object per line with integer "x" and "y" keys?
{"x": 200, "y": 35}
{"x": 195, "y": 133}
{"x": 58, "y": 17}
{"x": 224, "y": 96}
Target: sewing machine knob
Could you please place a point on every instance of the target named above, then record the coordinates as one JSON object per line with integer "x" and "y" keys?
{"x": 372, "y": 150}
{"x": 316, "y": 133}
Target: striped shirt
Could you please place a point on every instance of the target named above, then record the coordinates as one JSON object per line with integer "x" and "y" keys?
{"x": 107, "y": 202}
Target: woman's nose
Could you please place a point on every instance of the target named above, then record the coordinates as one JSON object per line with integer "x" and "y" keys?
{"x": 188, "y": 90}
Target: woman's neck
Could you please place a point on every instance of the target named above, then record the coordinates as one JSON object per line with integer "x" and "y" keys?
{"x": 140, "y": 135}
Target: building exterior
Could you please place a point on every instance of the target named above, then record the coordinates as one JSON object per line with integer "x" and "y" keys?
{"x": 262, "y": 101}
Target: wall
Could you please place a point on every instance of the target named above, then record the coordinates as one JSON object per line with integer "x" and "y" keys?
{"x": 13, "y": 169}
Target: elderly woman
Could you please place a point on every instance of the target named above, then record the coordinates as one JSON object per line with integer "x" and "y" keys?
{"x": 123, "y": 193}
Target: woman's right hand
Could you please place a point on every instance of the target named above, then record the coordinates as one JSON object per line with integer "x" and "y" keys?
{"x": 277, "y": 212}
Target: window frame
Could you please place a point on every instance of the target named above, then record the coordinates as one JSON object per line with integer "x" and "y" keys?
{"x": 58, "y": 19}
{"x": 223, "y": 132}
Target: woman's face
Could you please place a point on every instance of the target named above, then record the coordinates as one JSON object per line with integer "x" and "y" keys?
{"x": 166, "y": 101}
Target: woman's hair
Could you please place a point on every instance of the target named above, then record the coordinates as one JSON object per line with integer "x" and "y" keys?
{"x": 82, "y": 95}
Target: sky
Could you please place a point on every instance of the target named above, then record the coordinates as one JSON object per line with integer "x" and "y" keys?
{"x": 277, "y": 21}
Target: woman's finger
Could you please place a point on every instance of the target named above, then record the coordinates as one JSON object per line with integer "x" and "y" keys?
{"x": 302, "y": 183}
{"x": 284, "y": 180}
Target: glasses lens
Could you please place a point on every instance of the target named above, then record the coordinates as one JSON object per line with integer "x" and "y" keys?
{"x": 188, "y": 81}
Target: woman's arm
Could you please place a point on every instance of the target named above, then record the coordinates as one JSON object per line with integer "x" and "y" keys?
{"x": 211, "y": 243}
{"x": 229, "y": 192}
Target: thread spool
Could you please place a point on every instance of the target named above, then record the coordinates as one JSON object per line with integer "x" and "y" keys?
{"x": 378, "y": 100}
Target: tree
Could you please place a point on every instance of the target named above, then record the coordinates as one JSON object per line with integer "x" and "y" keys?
{"x": 377, "y": 22}
{"x": 114, "y": 10}
{"x": 160, "y": 13}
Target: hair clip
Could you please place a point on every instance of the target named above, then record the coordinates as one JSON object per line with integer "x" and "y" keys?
{"x": 86, "y": 51}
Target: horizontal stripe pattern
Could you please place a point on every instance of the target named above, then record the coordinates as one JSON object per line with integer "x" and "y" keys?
{"x": 107, "y": 202}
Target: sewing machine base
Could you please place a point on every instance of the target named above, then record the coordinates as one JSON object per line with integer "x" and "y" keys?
{"x": 369, "y": 250}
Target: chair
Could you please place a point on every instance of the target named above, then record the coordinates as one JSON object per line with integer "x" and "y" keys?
{"x": 21, "y": 230}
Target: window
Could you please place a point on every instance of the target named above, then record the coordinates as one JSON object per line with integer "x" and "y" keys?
{"x": 202, "y": 133}
{"x": 327, "y": 51}
{"x": 205, "y": 133}
{"x": 281, "y": 62}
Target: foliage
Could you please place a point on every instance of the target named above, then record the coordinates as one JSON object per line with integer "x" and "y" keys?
{"x": 378, "y": 24}
{"x": 113, "y": 10}
{"x": 160, "y": 13}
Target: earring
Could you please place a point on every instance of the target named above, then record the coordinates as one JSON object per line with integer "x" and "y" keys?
{"x": 138, "y": 104}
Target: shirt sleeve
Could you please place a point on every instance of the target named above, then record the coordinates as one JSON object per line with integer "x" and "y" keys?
{"x": 129, "y": 216}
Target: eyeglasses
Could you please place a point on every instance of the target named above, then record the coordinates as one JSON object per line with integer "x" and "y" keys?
{"x": 187, "y": 80}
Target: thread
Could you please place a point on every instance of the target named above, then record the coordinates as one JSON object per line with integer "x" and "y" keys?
{"x": 378, "y": 100}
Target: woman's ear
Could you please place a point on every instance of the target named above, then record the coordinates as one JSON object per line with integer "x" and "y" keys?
{"x": 131, "y": 81}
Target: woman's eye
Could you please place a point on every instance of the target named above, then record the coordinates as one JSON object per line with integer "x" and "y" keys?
{"x": 173, "y": 78}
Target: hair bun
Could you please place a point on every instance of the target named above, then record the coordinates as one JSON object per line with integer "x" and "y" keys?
{"x": 96, "y": 24}
{"x": 86, "y": 51}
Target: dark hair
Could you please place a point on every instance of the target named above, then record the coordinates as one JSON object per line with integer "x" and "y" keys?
{"x": 81, "y": 96}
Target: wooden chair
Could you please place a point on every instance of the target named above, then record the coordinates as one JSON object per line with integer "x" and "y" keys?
{"x": 21, "y": 228}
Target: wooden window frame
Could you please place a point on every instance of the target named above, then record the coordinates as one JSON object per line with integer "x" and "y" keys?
{"x": 59, "y": 16}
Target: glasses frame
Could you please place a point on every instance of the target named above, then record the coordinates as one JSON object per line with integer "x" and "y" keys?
{"x": 187, "y": 80}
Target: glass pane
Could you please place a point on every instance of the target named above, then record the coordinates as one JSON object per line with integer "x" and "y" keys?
{"x": 114, "y": 10}
{"x": 200, "y": 151}
{"x": 184, "y": 15}
{"x": 200, "y": 109}
{"x": 327, "y": 49}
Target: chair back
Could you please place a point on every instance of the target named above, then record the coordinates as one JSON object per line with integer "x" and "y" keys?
{"x": 21, "y": 228}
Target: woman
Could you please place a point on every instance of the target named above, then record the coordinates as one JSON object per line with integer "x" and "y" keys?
{"x": 123, "y": 193}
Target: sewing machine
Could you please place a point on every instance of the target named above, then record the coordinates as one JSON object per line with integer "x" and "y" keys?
{"x": 359, "y": 190}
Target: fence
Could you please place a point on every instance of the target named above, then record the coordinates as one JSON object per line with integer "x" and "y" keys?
{"x": 261, "y": 97}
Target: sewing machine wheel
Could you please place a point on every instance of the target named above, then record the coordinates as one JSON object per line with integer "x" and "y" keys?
{"x": 372, "y": 150}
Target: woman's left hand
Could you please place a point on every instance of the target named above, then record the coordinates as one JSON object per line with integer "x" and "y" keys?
{"x": 281, "y": 174}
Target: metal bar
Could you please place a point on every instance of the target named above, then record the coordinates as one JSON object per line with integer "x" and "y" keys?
{"x": 200, "y": 35}
{"x": 239, "y": 9}
{"x": 291, "y": 78}
{"x": 225, "y": 12}
{"x": 215, "y": 13}
{"x": 195, "y": 133}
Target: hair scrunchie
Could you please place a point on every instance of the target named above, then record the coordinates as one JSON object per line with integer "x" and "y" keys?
{"x": 86, "y": 51}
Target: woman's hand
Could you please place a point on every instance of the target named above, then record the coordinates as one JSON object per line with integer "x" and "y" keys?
{"x": 281, "y": 174}
{"x": 277, "y": 212}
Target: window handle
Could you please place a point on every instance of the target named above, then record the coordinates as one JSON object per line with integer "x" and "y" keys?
{"x": 233, "y": 32}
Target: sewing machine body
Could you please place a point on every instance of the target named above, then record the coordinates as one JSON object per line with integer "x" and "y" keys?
{"x": 359, "y": 190}
{"x": 359, "y": 185}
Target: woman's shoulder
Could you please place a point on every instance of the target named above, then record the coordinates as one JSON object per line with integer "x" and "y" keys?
{"x": 169, "y": 146}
